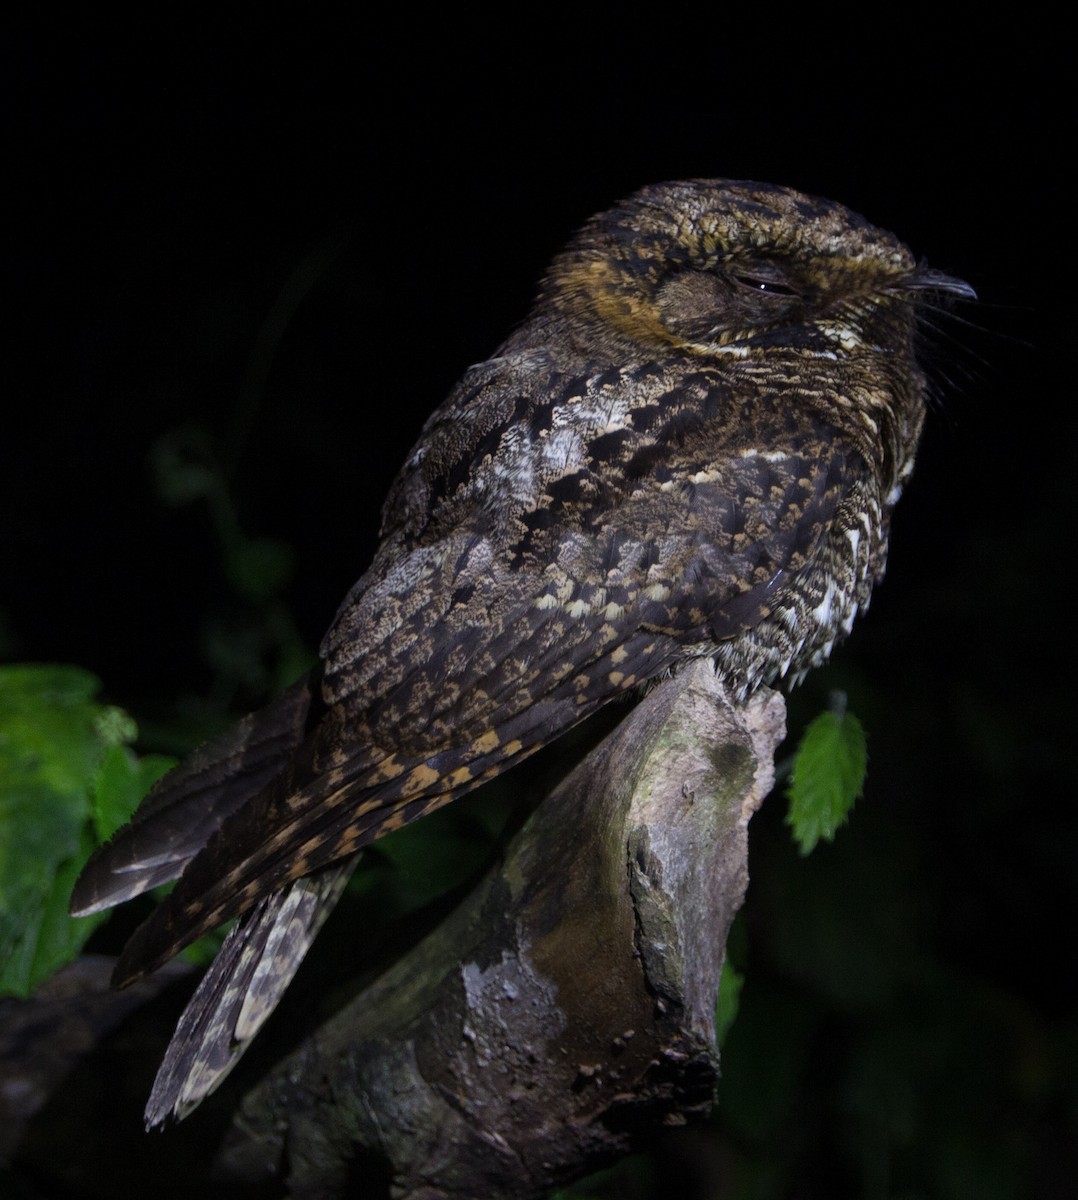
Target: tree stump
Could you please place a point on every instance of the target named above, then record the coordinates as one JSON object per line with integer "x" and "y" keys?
{"x": 565, "y": 1011}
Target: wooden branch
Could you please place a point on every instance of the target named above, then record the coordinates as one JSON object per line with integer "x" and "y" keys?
{"x": 565, "y": 1011}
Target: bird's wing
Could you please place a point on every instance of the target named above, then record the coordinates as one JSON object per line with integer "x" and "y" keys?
{"x": 292, "y": 829}
{"x": 509, "y": 662}
{"x": 188, "y": 804}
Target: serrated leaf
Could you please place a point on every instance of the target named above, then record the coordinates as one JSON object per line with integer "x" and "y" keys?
{"x": 114, "y": 727}
{"x": 828, "y": 777}
{"x": 120, "y": 783}
{"x": 67, "y": 780}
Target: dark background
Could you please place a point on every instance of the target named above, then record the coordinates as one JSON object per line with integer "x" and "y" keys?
{"x": 249, "y": 253}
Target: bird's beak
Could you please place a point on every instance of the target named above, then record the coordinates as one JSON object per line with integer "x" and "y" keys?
{"x": 924, "y": 280}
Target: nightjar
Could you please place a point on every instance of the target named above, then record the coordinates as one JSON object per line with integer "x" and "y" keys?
{"x": 691, "y": 448}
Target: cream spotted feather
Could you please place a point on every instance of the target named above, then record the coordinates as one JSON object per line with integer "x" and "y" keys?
{"x": 691, "y": 448}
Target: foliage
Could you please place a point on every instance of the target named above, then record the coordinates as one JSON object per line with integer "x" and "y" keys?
{"x": 250, "y": 641}
{"x": 828, "y": 776}
{"x": 68, "y": 780}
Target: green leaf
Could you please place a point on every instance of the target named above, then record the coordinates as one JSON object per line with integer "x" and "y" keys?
{"x": 120, "y": 783}
{"x": 67, "y": 781}
{"x": 828, "y": 776}
{"x": 729, "y": 999}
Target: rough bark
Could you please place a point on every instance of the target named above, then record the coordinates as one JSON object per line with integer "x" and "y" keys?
{"x": 565, "y": 1010}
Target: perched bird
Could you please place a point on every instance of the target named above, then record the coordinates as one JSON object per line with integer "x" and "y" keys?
{"x": 691, "y": 448}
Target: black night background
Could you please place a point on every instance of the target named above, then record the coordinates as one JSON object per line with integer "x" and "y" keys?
{"x": 248, "y": 253}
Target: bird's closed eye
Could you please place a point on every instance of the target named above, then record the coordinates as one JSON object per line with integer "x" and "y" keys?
{"x": 766, "y": 280}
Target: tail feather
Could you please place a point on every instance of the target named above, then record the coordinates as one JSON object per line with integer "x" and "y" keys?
{"x": 241, "y": 988}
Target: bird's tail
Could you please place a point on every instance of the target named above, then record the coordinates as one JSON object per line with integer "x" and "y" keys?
{"x": 256, "y": 963}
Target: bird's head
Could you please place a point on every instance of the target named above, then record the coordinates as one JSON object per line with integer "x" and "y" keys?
{"x": 722, "y": 269}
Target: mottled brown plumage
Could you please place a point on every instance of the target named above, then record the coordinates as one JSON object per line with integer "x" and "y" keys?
{"x": 691, "y": 448}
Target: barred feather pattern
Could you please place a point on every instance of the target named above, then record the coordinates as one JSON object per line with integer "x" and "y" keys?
{"x": 690, "y": 449}
{"x": 257, "y": 960}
